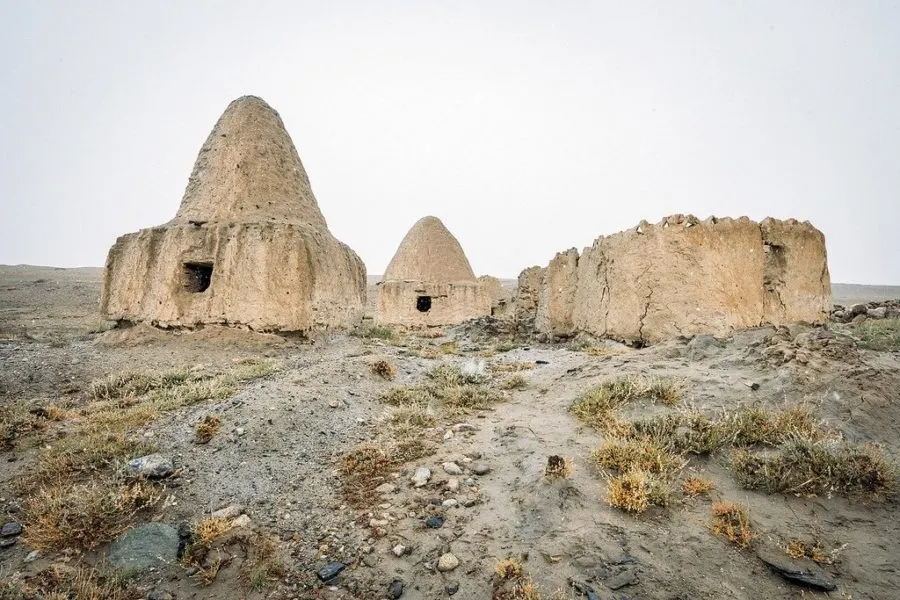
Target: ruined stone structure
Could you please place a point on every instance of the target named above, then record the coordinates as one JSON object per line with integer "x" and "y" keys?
{"x": 248, "y": 246}
{"x": 528, "y": 294}
{"x": 429, "y": 282}
{"x": 683, "y": 276}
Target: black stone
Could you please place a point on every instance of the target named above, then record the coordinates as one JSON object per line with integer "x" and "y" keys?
{"x": 434, "y": 522}
{"x": 583, "y": 589}
{"x": 330, "y": 571}
{"x": 452, "y": 588}
{"x": 7, "y": 542}
{"x": 10, "y": 529}
{"x": 800, "y": 577}
{"x": 395, "y": 590}
{"x": 542, "y": 362}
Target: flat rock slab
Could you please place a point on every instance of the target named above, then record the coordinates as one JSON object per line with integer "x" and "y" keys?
{"x": 152, "y": 466}
{"x": 144, "y": 547}
{"x": 795, "y": 574}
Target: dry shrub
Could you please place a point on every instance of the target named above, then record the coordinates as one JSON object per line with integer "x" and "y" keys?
{"x": 206, "y": 429}
{"x": 882, "y": 334}
{"x": 597, "y": 406}
{"x": 468, "y": 397}
{"x": 732, "y": 522}
{"x": 15, "y": 421}
{"x": 815, "y": 551}
{"x": 636, "y": 491}
{"x": 758, "y": 426}
{"x": 409, "y": 421}
{"x": 805, "y": 467}
{"x": 430, "y": 333}
{"x": 558, "y": 467}
{"x": 63, "y": 582}
{"x": 508, "y": 568}
{"x": 696, "y": 486}
{"x": 406, "y": 450}
{"x": 210, "y": 528}
{"x": 377, "y": 332}
{"x": 602, "y": 351}
{"x": 636, "y": 455}
{"x": 83, "y": 516}
{"x": 384, "y": 369}
{"x": 404, "y": 396}
{"x": 85, "y": 454}
{"x": 516, "y": 382}
{"x": 264, "y": 566}
{"x": 362, "y": 470}
{"x": 511, "y": 367}
{"x": 693, "y": 433}
{"x": 505, "y": 346}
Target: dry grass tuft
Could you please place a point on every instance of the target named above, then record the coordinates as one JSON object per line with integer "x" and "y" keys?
{"x": 82, "y": 516}
{"x": 636, "y": 491}
{"x": 696, "y": 486}
{"x": 362, "y": 470}
{"x": 881, "y": 334}
{"x": 206, "y": 429}
{"x": 63, "y": 582}
{"x": 516, "y": 382}
{"x": 210, "y": 528}
{"x": 597, "y": 406}
{"x": 505, "y": 346}
{"x": 508, "y": 568}
{"x": 410, "y": 419}
{"x": 405, "y": 396}
{"x": 758, "y": 426}
{"x": 511, "y": 367}
{"x": 264, "y": 566}
{"x": 818, "y": 468}
{"x": 732, "y": 522}
{"x": 815, "y": 551}
{"x": 559, "y": 467}
{"x": 15, "y": 421}
{"x": 377, "y": 332}
{"x": 384, "y": 369}
{"x": 637, "y": 455}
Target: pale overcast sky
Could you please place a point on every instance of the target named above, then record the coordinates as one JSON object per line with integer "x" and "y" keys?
{"x": 527, "y": 127}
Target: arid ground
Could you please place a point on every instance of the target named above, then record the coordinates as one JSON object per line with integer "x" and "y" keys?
{"x": 758, "y": 466}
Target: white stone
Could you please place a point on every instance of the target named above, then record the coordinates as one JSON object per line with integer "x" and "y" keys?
{"x": 421, "y": 476}
{"x": 451, "y": 468}
{"x": 447, "y": 562}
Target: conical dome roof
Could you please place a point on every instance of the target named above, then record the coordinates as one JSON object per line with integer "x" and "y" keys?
{"x": 249, "y": 170}
{"x": 429, "y": 252}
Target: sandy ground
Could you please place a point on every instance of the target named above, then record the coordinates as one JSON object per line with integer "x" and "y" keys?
{"x": 283, "y": 437}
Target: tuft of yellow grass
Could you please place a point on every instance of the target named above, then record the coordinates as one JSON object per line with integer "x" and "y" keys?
{"x": 559, "y": 467}
{"x": 210, "y": 528}
{"x": 636, "y": 491}
{"x": 207, "y": 428}
{"x": 636, "y": 455}
{"x": 732, "y": 522}
{"x": 696, "y": 486}
{"x": 508, "y": 568}
{"x": 384, "y": 369}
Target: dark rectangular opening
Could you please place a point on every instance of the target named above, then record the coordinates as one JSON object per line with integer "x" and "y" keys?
{"x": 197, "y": 276}
{"x": 423, "y": 303}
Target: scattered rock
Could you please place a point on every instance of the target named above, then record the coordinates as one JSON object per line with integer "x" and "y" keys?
{"x": 399, "y": 550}
{"x": 857, "y": 309}
{"x": 144, "y": 547}
{"x": 159, "y": 595}
{"x": 451, "y": 468}
{"x": 877, "y": 313}
{"x": 583, "y": 589}
{"x": 452, "y": 588}
{"x": 421, "y": 476}
{"x": 395, "y": 590}
{"x": 10, "y": 529}
{"x": 480, "y": 469}
{"x": 452, "y": 485}
{"x": 623, "y": 579}
{"x": 795, "y": 575}
{"x": 7, "y": 542}
{"x": 229, "y": 512}
{"x": 31, "y": 557}
{"x": 447, "y": 562}
{"x": 450, "y": 502}
{"x": 152, "y": 466}
{"x": 464, "y": 427}
{"x": 240, "y": 521}
{"x": 434, "y": 522}
{"x": 330, "y": 571}
{"x": 386, "y": 488}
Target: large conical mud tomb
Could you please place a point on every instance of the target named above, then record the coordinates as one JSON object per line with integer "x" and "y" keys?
{"x": 248, "y": 246}
{"x": 429, "y": 281}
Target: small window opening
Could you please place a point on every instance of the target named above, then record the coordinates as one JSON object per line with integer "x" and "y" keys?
{"x": 423, "y": 303}
{"x": 197, "y": 276}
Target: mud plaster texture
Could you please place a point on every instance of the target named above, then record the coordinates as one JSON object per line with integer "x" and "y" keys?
{"x": 683, "y": 277}
{"x": 430, "y": 263}
{"x": 248, "y": 246}
{"x": 282, "y": 438}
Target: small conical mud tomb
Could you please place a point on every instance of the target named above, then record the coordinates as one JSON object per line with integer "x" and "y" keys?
{"x": 248, "y": 246}
{"x": 429, "y": 282}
